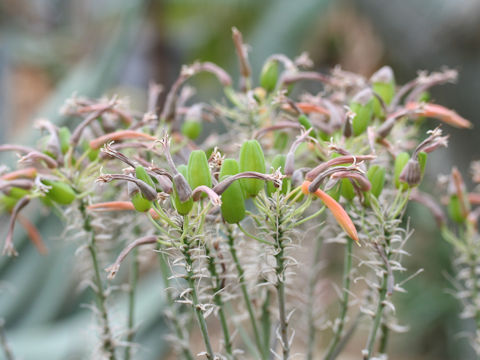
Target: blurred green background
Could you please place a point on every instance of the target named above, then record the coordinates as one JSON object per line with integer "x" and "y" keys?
{"x": 50, "y": 49}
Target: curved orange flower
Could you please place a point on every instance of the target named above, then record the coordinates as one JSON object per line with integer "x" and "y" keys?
{"x": 337, "y": 210}
{"x": 118, "y": 206}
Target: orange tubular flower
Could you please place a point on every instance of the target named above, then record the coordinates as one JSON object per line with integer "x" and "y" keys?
{"x": 337, "y": 210}
{"x": 439, "y": 112}
{"x": 33, "y": 234}
{"x": 119, "y": 135}
{"x": 308, "y": 108}
{"x": 28, "y": 173}
{"x": 117, "y": 206}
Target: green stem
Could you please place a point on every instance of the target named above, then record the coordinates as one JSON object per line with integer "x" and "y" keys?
{"x": 246, "y": 297}
{"x": 347, "y": 267}
{"x": 131, "y": 304}
{"x": 311, "y": 293}
{"x": 196, "y": 303}
{"x": 382, "y": 295}
{"x": 378, "y": 317}
{"x": 165, "y": 270}
{"x": 217, "y": 298}
{"x": 107, "y": 339}
{"x": 382, "y": 348}
{"x": 280, "y": 286}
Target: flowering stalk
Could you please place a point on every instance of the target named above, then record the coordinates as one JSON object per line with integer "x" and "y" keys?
{"x": 190, "y": 277}
{"x": 107, "y": 338}
{"x": 246, "y": 296}
{"x": 347, "y": 267}
{"x": 217, "y": 298}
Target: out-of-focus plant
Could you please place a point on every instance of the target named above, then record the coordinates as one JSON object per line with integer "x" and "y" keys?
{"x": 462, "y": 233}
{"x": 228, "y": 232}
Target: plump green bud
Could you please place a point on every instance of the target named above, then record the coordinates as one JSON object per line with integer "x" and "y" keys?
{"x": 64, "y": 136}
{"x": 198, "y": 171}
{"x": 60, "y": 192}
{"x": 347, "y": 190}
{"x": 10, "y": 199}
{"x": 455, "y": 209}
{"x": 376, "y": 176}
{"x": 140, "y": 203}
{"x": 305, "y": 121}
{"x": 422, "y": 160}
{"x": 192, "y": 129}
{"x": 142, "y": 174}
{"x": 252, "y": 159}
{"x": 400, "y": 162}
{"x": 278, "y": 162}
{"x": 183, "y": 208}
{"x": 233, "y": 202}
{"x": 383, "y": 83}
{"x": 362, "y": 106}
{"x": 280, "y": 141}
{"x": 269, "y": 75}
{"x": 7, "y": 203}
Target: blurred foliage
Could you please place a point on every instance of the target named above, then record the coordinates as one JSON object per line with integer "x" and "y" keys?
{"x": 92, "y": 48}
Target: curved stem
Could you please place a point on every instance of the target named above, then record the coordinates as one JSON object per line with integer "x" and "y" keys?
{"x": 246, "y": 296}
{"x": 347, "y": 266}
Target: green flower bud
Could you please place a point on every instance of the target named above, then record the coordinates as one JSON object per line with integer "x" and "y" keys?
{"x": 233, "y": 202}
{"x": 305, "y": 121}
{"x": 142, "y": 174}
{"x": 183, "y": 208}
{"x": 198, "y": 171}
{"x": 252, "y": 159}
{"x": 455, "y": 209}
{"x": 280, "y": 141}
{"x": 11, "y": 197}
{"x": 422, "y": 160}
{"x": 362, "y": 106}
{"x": 60, "y": 192}
{"x": 269, "y": 75}
{"x": 400, "y": 162}
{"x": 347, "y": 190}
{"x": 64, "y": 136}
{"x": 140, "y": 203}
{"x": 376, "y": 176}
{"x": 383, "y": 83}
{"x": 192, "y": 129}
{"x": 7, "y": 203}
{"x": 278, "y": 162}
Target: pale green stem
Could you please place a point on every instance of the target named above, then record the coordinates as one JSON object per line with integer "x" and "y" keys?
{"x": 107, "y": 339}
{"x": 347, "y": 267}
{"x": 246, "y": 296}
{"x": 195, "y": 302}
